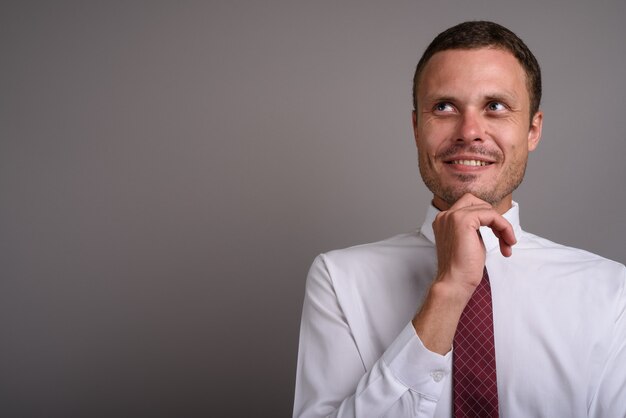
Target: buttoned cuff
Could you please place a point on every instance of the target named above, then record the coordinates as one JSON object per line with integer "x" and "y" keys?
{"x": 420, "y": 369}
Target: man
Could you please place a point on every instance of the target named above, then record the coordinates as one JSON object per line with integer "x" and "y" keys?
{"x": 379, "y": 320}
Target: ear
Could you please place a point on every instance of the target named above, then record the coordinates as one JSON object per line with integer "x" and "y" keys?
{"x": 534, "y": 133}
{"x": 414, "y": 117}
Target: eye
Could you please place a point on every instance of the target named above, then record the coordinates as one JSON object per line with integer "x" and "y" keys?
{"x": 443, "y": 107}
{"x": 496, "y": 106}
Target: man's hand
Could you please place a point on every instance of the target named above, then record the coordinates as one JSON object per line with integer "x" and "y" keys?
{"x": 460, "y": 249}
{"x": 461, "y": 260}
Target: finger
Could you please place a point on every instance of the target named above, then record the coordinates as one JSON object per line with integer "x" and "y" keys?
{"x": 503, "y": 230}
{"x": 506, "y": 249}
{"x": 478, "y": 213}
{"x": 499, "y": 225}
{"x": 506, "y": 234}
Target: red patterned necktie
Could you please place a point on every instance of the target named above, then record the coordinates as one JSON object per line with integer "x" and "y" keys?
{"x": 474, "y": 357}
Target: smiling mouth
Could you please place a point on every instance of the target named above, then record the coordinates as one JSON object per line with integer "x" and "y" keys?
{"x": 471, "y": 163}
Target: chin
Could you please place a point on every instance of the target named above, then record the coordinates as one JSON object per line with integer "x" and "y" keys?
{"x": 451, "y": 196}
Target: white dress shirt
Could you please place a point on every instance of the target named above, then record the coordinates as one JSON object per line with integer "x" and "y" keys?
{"x": 559, "y": 331}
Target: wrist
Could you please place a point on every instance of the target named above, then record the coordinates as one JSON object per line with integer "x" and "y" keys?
{"x": 436, "y": 321}
{"x": 451, "y": 293}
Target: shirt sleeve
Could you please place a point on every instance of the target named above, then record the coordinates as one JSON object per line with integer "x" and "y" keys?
{"x": 332, "y": 380}
{"x": 611, "y": 393}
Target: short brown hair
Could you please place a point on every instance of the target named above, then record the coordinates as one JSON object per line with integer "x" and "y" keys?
{"x": 482, "y": 34}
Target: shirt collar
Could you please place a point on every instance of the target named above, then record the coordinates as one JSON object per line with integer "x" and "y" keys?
{"x": 490, "y": 240}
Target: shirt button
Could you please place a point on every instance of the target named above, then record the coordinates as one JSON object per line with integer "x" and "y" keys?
{"x": 437, "y": 375}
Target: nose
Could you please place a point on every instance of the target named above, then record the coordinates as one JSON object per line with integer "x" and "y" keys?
{"x": 470, "y": 126}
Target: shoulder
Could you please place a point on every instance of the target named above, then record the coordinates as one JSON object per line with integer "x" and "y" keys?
{"x": 387, "y": 251}
{"x": 544, "y": 252}
{"x": 397, "y": 256}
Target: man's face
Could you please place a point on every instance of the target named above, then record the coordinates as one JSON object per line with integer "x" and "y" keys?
{"x": 472, "y": 126}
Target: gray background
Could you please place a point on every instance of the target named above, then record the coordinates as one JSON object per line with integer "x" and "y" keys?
{"x": 168, "y": 171}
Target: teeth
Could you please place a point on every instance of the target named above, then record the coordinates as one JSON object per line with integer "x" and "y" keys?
{"x": 470, "y": 162}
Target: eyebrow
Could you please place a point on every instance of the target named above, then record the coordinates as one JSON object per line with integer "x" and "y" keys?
{"x": 505, "y": 96}
{"x": 438, "y": 98}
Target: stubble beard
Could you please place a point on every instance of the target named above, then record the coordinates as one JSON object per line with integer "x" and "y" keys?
{"x": 468, "y": 183}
